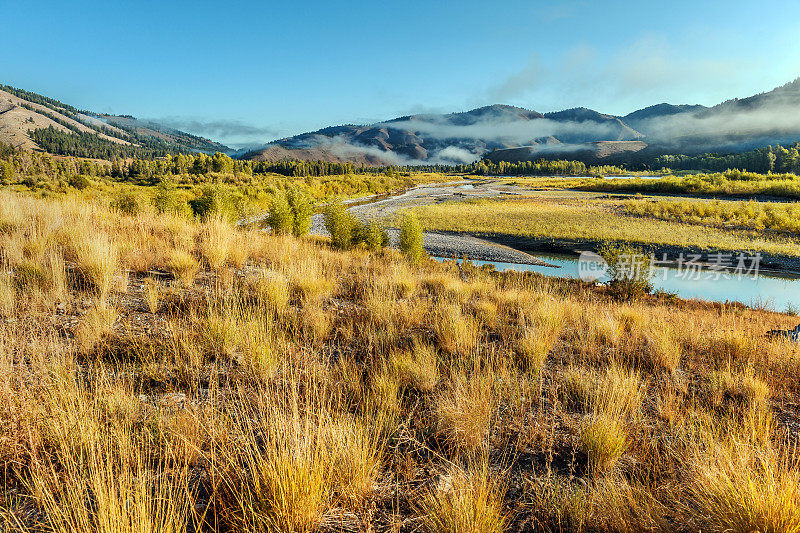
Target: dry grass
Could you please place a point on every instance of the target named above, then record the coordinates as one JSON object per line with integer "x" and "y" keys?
{"x": 604, "y": 441}
{"x": 416, "y": 368}
{"x": 466, "y": 501}
{"x": 457, "y": 333}
{"x": 96, "y": 324}
{"x": 95, "y": 256}
{"x": 595, "y": 220}
{"x": 465, "y": 412}
{"x": 737, "y": 487}
{"x": 152, "y": 294}
{"x": 285, "y": 386}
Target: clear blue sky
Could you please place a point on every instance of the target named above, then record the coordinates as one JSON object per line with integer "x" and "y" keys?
{"x": 250, "y": 71}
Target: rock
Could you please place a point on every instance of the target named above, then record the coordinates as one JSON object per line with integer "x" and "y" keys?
{"x": 173, "y": 399}
{"x": 793, "y": 335}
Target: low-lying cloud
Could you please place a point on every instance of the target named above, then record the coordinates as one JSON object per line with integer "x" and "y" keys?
{"x": 227, "y": 131}
{"x": 718, "y": 124}
{"x": 520, "y": 132}
{"x": 345, "y": 148}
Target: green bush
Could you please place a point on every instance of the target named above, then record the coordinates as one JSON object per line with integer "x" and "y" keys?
{"x": 342, "y": 226}
{"x": 411, "y": 237}
{"x": 6, "y": 172}
{"x": 167, "y": 200}
{"x": 302, "y": 209}
{"x": 79, "y": 182}
{"x": 281, "y": 219}
{"x": 127, "y": 202}
{"x": 630, "y": 270}
{"x": 374, "y": 235}
{"x": 211, "y": 200}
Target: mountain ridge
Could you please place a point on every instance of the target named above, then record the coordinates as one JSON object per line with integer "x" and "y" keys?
{"x": 733, "y": 125}
{"x": 24, "y": 113}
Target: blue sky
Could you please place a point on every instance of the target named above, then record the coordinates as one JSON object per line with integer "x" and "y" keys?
{"x": 246, "y": 72}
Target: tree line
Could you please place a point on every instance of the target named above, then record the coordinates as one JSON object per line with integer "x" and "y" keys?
{"x": 146, "y": 170}
{"x": 768, "y": 159}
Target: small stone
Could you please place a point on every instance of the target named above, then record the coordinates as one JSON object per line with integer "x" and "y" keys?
{"x": 174, "y": 399}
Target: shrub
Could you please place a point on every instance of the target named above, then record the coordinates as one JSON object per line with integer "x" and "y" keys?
{"x": 6, "y": 172}
{"x": 79, "y": 182}
{"x": 167, "y": 200}
{"x": 281, "y": 219}
{"x": 374, "y": 235}
{"x": 302, "y": 209}
{"x": 630, "y": 270}
{"x": 341, "y": 225}
{"x": 127, "y": 202}
{"x": 411, "y": 237}
{"x": 211, "y": 200}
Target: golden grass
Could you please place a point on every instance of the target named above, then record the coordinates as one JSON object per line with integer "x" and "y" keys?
{"x": 594, "y": 220}
{"x": 96, "y": 323}
{"x": 416, "y": 368}
{"x": 297, "y": 388}
{"x": 737, "y": 487}
{"x": 95, "y": 256}
{"x": 758, "y": 216}
{"x": 457, "y": 332}
{"x": 604, "y": 440}
{"x": 465, "y": 412}
{"x": 467, "y": 501}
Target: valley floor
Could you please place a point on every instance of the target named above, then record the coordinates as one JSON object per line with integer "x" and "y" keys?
{"x": 549, "y": 218}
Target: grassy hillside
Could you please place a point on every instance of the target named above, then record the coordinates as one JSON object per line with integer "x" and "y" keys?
{"x": 35, "y": 122}
{"x": 165, "y": 374}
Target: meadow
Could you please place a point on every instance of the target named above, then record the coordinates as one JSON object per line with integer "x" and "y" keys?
{"x": 728, "y": 183}
{"x": 165, "y": 373}
{"x": 638, "y": 221}
{"x": 777, "y": 217}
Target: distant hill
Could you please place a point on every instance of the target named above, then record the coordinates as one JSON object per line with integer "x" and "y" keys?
{"x": 36, "y": 122}
{"x": 500, "y": 132}
{"x": 451, "y": 138}
{"x": 506, "y": 132}
{"x": 593, "y": 153}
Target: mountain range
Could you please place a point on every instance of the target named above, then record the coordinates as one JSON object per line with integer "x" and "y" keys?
{"x": 503, "y": 132}
{"x": 497, "y": 132}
